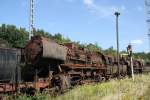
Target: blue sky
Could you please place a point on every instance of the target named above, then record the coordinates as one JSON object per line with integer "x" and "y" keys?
{"x": 87, "y": 21}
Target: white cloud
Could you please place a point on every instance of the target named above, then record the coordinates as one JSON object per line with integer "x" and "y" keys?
{"x": 102, "y": 10}
{"x": 88, "y": 2}
{"x": 137, "y": 42}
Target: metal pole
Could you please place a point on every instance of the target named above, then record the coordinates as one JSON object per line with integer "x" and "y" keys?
{"x": 117, "y": 39}
{"x": 129, "y": 50}
{"x": 132, "y": 68}
{"x": 149, "y": 40}
{"x": 31, "y": 26}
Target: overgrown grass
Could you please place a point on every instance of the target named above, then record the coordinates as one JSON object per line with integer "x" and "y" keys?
{"x": 124, "y": 89}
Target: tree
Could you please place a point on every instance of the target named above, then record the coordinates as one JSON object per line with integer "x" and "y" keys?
{"x": 94, "y": 47}
{"x": 60, "y": 39}
{"x": 3, "y": 43}
{"x": 41, "y": 32}
{"x": 110, "y": 51}
{"x": 18, "y": 37}
{"x": 15, "y": 37}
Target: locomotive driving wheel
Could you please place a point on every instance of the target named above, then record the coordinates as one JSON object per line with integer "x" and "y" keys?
{"x": 61, "y": 83}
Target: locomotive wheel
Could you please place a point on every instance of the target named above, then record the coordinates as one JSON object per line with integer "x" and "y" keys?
{"x": 62, "y": 83}
{"x": 65, "y": 82}
{"x": 98, "y": 78}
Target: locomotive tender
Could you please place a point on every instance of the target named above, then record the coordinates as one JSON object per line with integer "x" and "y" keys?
{"x": 51, "y": 66}
{"x": 9, "y": 69}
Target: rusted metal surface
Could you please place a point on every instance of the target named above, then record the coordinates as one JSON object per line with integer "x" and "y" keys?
{"x": 9, "y": 69}
{"x": 33, "y": 50}
{"x": 7, "y": 87}
{"x": 10, "y": 87}
{"x": 40, "y": 47}
{"x": 78, "y": 66}
{"x": 53, "y": 50}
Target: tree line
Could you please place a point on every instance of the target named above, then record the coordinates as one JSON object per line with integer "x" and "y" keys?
{"x": 11, "y": 36}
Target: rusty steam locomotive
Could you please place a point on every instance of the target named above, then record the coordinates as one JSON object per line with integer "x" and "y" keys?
{"x": 51, "y": 66}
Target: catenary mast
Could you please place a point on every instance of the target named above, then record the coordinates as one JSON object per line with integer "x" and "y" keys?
{"x": 31, "y": 22}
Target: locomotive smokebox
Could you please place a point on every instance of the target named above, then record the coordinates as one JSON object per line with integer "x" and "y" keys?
{"x": 40, "y": 48}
